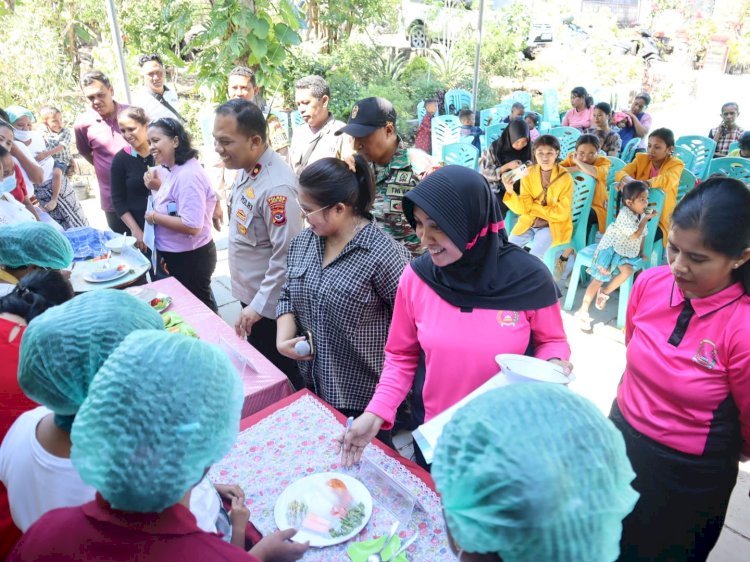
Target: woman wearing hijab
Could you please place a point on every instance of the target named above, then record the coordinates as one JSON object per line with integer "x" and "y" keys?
{"x": 471, "y": 296}
{"x": 508, "y": 152}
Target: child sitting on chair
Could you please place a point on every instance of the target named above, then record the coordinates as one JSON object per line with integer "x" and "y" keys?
{"x": 619, "y": 249}
{"x": 467, "y": 117}
{"x": 423, "y": 140}
{"x": 532, "y": 120}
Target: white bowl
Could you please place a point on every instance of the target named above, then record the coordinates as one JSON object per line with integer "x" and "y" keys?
{"x": 117, "y": 243}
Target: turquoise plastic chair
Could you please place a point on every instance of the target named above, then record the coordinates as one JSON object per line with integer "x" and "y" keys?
{"x": 703, "y": 148}
{"x": 283, "y": 117}
{"x": 458, "y": 99}
{"x": 461, "y": 154}
{"x": 583, "y": 195}
{"x": 687, "y": 182}
{"x": 616, "y": 166}
{"x": 567, "y": 137}
{"x": 503, "y": 109}
{"x": 522, "y": 97}
{"x": 488, "y": 117}
{"x": 585, "y": 257}
{"x": 493, "y": 132}
{"x": 628, "y": 153}
{"x": 296, "y": 119}
{"x": 734, "y": 146}
{"x": 510, "y": 221}
{"x": 733, "y": 167}
{"x": 446, "y": 129}
{"x": 687, "y": 156}
{"x": 421, "y": 112}
{"x": 551, "y": 114}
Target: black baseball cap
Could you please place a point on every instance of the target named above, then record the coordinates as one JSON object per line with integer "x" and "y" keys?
{"x": 368, "y": 115}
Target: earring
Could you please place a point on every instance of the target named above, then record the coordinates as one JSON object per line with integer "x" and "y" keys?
{"x": 736, "y": 265}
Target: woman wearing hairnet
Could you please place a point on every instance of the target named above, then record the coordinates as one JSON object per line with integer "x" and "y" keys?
{"x": 533, "y": 473}
{"x": 27, "y": 246}
{"x": 144, "y": 436}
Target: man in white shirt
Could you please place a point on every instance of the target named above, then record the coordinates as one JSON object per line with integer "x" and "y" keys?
{"x": 156, "y": 98}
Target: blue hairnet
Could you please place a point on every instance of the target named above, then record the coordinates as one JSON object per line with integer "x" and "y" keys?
{"x": 34, "y": 243}
{"x": 63, "y": 348}
{"x": 534, "y": 472}
{"x": 15, "y": 112}
{"x": 161, "y": 410}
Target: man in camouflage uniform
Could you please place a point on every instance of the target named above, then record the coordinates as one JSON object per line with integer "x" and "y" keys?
{"x": 373, "y": 125}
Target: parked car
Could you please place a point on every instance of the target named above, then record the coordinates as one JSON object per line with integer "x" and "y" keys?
{"x": 426, "y": 21}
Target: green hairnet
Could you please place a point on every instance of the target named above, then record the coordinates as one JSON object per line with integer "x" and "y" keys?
{"x": 533, "y": 472}
{"x": 15, "y": 112}
{"x": 63, "y": 348}
{"x": 34, "y": 243}
{"x": 162, "y": 409}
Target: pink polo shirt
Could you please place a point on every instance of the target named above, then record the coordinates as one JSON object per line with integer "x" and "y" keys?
{"x": 459, "y": 347}
{"x": 188, "y": 188}
{"x": 693, "y": 397}
{"x": 579, "y": 119}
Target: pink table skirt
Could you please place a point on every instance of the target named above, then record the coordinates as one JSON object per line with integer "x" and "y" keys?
{"x": 264, "y": 383}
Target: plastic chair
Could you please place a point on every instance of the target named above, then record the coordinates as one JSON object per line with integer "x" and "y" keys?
{"x": 488, "y": 117}
{"x": 510, "y": 221}
{"x": 734, "y": 146}
{"x": 421, "y": 112}
{"x": 296, "y": 119}
{"x": 733, "y": 167}
{"x": 687, "y": 182}
{"x": 493, "y": 132}
{"x": 567, "y": 137}
{"x": 585, "y": 257}
{"x": 446, "y": 129}
{"x": 703, "y": 148}
{"x": 583, "y": 195}
{"x": 522, "y": 97}
{"x": 550, "y": 113}
{"x": 687, "y": 156}
{"x": 283, "y": 117}
{"x": 616, "y": 166}
{"x": 628, "y": 153}
{"x": 503, "y": 109}
{"x": 461, "y": 154}
{"x": 458, "y": 99}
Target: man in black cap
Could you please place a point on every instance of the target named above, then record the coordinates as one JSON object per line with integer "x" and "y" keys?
{"x": 373, "y": 125}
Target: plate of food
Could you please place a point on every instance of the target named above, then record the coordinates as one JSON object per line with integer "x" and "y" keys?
{"x": 107, "y": 271}
{"x": 532, "y": 369}
{"x": 117, "y": 243}
{"x": 160, "y": 302}
{"x": 326, "y": 508}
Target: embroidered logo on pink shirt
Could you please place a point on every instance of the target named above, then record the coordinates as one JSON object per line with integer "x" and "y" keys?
{"x": 706, "y": 355}
{"x": 507, "y": 318}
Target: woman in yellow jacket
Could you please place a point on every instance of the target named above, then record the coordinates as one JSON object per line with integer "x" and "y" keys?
{"x": 660, "y": 170}
{"x": 545, "y": 203}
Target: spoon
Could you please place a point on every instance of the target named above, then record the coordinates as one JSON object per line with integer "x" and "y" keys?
{"x": 403, "y": 548}
{"x": 378, "y": 557}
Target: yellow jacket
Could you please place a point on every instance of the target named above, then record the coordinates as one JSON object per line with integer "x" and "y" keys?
{"x": 558, "y": 211}
{"x": 601, "y": 192}
{"x": 668, "y": 180}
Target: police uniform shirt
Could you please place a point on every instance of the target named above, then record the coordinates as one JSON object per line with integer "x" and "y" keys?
{"x": 263, "y": 218}
{"x": 307, "y": 147}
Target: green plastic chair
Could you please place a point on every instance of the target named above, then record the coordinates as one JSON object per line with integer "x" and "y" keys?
{"x": 628, "y": 153}
{"x": 522, "y": 97}
{"x": 567, "y": 137}
{"x": 551, "y": 114}
{"x": 616, "y": 166}
{"x": 461, "y": 154}
{"x": 703, "y": 148}
{"x": 734, "y": 146}
{"x": 585, "y": 257}
{"x": 446, "y": 129}
{"x": 458, "y": 99}
{"x": 493, "y": 132}
{"x": 687, "y": 156}
{"x": 488, "y": 117}
{"x": 733, "y": 167}
{"x": 421, "y": 112}
{"x": 296, "y": 119}
{"x": 687, "y": 182}
{"x": 503, "y": 109}
{"x": 283, "y": 117}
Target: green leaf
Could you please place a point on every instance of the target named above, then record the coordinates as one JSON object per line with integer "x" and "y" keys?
{"x": 258, "y": 47}
{"x": 259, "y": 27}
{"x": 286, "y": 35}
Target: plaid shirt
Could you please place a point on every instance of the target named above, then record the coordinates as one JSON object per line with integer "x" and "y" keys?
{"x": 52, "y": 139}
{"x": 724, "y": 138}
{"x": 348, "y": 307}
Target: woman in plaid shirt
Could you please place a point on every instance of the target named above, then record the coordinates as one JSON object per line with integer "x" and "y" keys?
{"x": 341, "y": 281}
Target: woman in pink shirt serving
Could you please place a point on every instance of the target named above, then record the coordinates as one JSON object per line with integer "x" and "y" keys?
{"x": 471, "y": 296}
{"x": 182, "y": 210}
{"x": 683, "y": 404}
{"x": 582, "y": 114}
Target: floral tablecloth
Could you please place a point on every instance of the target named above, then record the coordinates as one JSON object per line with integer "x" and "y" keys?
{"x": 295, "y": 441}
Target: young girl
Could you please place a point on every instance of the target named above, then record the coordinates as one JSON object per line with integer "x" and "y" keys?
{"x": 610, "y": 141}
{"x": 545, "y": 203}
{"x": 659, "y": 170}
{"x": 619, "y": 249}
{"x": 580, "y": 115}
{"x": 532, "y": 120}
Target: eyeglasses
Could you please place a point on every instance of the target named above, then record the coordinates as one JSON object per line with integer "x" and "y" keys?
{"x": 306, "y": 214}
{"x": 143, "y": 59}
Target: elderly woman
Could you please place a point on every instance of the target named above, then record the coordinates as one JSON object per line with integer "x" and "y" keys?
{"x": 471, "y": 296}
{"x": 533, "y": 472}
{"x": 182, "y": 210}
{"x": 54, "y": 193}
{"x": 28, "y": 246}
{"x": 144, "y": 461}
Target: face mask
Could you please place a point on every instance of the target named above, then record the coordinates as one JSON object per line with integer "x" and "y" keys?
{"x": 23, "y": 136}
{"x": 8, "y": 184}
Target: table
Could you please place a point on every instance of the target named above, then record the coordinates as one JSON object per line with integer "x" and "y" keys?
{"x": 132, "y": 258}
{"x": 264, "y": 385}
{"x": 292, "y": 439}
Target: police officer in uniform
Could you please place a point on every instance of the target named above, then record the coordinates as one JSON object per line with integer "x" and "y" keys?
{"x": 373, "y": 125}
{"x": 263, "y": 218}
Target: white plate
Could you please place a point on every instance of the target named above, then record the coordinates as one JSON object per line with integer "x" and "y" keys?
{"x": 89, "y": 275}
{"x": 301, "y": 489}
{"x": 116, "y": 244}
{"x": 532, "y": 368}
{"x": 161, "y": 296}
